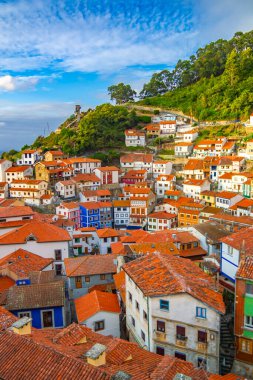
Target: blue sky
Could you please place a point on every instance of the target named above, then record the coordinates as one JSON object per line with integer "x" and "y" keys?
{"x": 55, "y": 54}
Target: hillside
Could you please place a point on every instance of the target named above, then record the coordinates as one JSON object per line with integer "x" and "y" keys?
{"x": 214, "y": 84}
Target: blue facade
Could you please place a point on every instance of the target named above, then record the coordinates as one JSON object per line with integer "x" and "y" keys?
{"x": 58, "y": 318}
{"x": 89, "y": 217}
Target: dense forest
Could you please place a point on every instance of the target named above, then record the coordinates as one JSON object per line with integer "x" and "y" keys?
{"x": 215, "y": 83}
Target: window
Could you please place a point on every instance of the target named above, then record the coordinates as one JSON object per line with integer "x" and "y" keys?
{"x": 200, "y": 312}
{"x": 57, "y": 254}
{"x": 137, "y": 306}
{"x": 133, "y": 321}
{"x": 202, "y": 336}
{"x": 249, "y": 289}
{"x": 248, "y": 321}
{"x": 142, "y": 335}
{"x": 58, "y": 269}
{"x": 130, "y": 297}
{"x": 87, "y": 278}
{"x": 47, "y": 318}
{"x": 145, "y": 316}
{"x": 246, "y": 346}
{"x": 99, "y": 325}
{"x": 24, "y": 314}
{"x": 202, "y": 363}
{"x": 164, "y": 305}
{"x": 179, "y": 355}
{"x": 78, "y": 281}
{"x": 160, "y": 326}
{"x": 102, "y": 277}
{"x": 160, "y": 350}
{"x": 181, "y": 332}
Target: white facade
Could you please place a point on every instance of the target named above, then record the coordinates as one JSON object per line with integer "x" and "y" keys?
{"x": 143, "y": 313}
{"x": 4, "y": 165}
{"x": 3, "y": 190}
{"x": 229, "y": 261}
{"x": 121, "y": 215}
{"x": 65, "y": 189}
{"x": 183, "y": 149}
{"x": 107, "y": 175}
{"x": 111, "y": 323}
{"x": 105, "y": 244}
{"x": 192, "y": 190}
{"x": 161, "y": 223}
{"x": 18, "y": 174}
{"x": 223, "y": 202}
{"x": 30, "y": 191}
{"x": 161, "y": 167}
{"x": 46, "y": 250}
{"x": 168, "y": 128}
{"x": 135, "y": 138}
{"x": 162, "y": 184}
{"x": 28, "y": 157}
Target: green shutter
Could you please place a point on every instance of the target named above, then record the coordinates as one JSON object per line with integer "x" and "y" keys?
{"x": 248, "y": 306}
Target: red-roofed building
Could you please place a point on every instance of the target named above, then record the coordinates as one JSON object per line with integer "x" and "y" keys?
{"x": 108, "y": 175}
{"x": 137, "y": 161}
{"x": 65, "y": 189}
{"x": 99, "y": 311}
{"x": 4, "y": 165}
{"x": 70, "y": 211}
{"x": 134, "y": 176}
{"x": 161, "y": 220}
{"x": 193, "y": 187}
{"x": 18, "y": 172}
{"x": 3, "y": 190}
{"x": 164, "y": 183}
{"x": 172, "y": 307}
{"x": 28, "y": 157}
{"x": 134, "y": 137}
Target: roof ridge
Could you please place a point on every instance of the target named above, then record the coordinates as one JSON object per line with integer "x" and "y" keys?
{"x": 82, "y": 260}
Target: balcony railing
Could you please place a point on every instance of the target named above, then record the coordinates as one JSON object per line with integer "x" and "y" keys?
{"x": 181, "y": 340}
{"x": 160, "y": 335}
{"x": 202, "y": 346}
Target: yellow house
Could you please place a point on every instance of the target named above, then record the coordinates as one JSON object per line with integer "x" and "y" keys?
{"x": 41, "y": 171}
{"x": 208, "y": 197}
{"x": 52, "y": 155}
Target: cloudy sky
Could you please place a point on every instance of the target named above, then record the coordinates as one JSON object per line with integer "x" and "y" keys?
{"x": 54, "y": 54}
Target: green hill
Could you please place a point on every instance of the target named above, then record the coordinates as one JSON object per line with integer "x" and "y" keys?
{"x": 214, "y": 84}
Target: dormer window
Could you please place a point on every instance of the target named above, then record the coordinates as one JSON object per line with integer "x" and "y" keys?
{"x": 31, "y": 237}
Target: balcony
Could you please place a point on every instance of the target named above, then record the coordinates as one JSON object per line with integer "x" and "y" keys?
{"x": 181, "y": 340}
{"x": 161, "y": 336}
{"x": 202, "y": 346}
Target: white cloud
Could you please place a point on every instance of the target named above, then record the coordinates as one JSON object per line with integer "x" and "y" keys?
{"x": 12, "y": 83}
{"x": 2, "y": 124}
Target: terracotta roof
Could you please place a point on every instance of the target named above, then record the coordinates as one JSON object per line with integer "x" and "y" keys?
{"x": 88, "y": 177}
{"x": 164, "y": 122}
{"x": 90, "y": 205}
{"x": 166, "y": 177}
{"x": 29, "y": 151}
{"x": 118, "y": 248}
{"x": 183, "y": 144}
{"x": 121, "y": 203}
{"x": 194, "y": 164}
{"x": 108, "y": 169}
{"x": 133, "y": 236}
{"x": 134, "y": 132}
{"x": 136, "y": 190}
{"x": 23, "y": 358}
{"x": 70, "y": 205}
{"x": 36, "y": 296}
{"x": 195, "y": 182}
{"x": 226, "y": 194}
{"x": 244, "y": 203}
{"x": 20, "y": 168}
{"x": 15, "y": 211}
{"x": 41, "y": 232}
{"x": 160, "y": 274}
{"x": 22, "y": 262}
{"x": 27, "y": 181}
{"x": 6, "y": 319}
{"x": 245, "y": 269}
{"x": 137, "y": 157}
{"x": 120, "y": 283}
{"x": 68, "y": 182}
{"x": 87, "y": 229}
{"x": 162, "y": 215}
{"x": 55, "y": 152}
{"x": 236, "y": 239}
{"x": 5, "y": 283}
{"x": 240, "y": 220}
{"x": 73, "y": 160}
{"x": 90, "y": 265}
{"x": 107, "y": 232}
{"x": 145, "y": 248}
{"x": 95, "y": 302}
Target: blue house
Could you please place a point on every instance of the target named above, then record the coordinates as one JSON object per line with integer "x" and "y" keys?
{"x": 43, "y": 302}
{"x": 90, "y": 214}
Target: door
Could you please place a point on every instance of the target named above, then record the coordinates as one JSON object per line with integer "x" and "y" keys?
{"x": 47, "y": 318}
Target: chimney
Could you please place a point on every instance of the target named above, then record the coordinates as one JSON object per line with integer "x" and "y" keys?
{"x": 23, "y": 326}
{"x": 121, "y": 375}
{"x": 96, "y": 355}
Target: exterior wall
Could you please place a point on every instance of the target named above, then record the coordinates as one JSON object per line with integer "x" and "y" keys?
{"x": 226, "y": 203}
{"x": 4, "y": 165}
{"x": 182, "y": 312}
{"x": 229, "y": 261}
{"x": 19, "y": 175}
{"x": 89, "y": 218}
{"x": 193, "y": 191}
{"x": 161, "y": 168}
{"x": 183, "y": 151}
{"x": 28, "y": 158}
{"x": 107, "y": 177}
{"x": 156, "y": 224}
{"x": 135, "y": 140}
{"x": 105, "y": 244}
{"x": 36, "y": 315}
{"x": 111, "y": 323}
{"x": 94, "y": 280}
{"x": 65, "y": 191}
{"x": 121, "y": 216}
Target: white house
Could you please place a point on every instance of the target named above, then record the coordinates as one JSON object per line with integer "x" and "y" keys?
{"x": 183, "y": 149}
{"x": 85, "y": 241}
{"x": 169, "y": 316}
{"x": 65, "y": 189}
{"x": 168, "y": 127}
{"x": 28, "y": 157}
{"x": 187, "y": 136}
{"x": 3, "y": 190}
{"x": 161, "y": 167}
{"x": 233, "y": 248}
{"x": 135, "y": 138}
{"x": 233, "y": 181}
{"x": 226, "y": 199}
{"x": 164, "y": 183}
{"x": 193, "y": 187}
{"x": 99, "y": 311}
{"x": 4, "y": 165}
{"x": 15, "y": 213}
{"x": 18, "y": 172}
{"x": 30, "y": 190}
{"x": 137, "y": 161}
{"x": 107, "y": 174}
{"x": 82, "y": 165}
{"x": 121, "y": 209}
{"x": 106, "y": 237}
{"x": 40, "y": 238}
{"x": 88, "y": 181}
{"x": 161, "y": 220}
{"x": 70, "y": 211}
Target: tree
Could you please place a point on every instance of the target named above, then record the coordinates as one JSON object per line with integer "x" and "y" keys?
{"x": 121, "y": 93}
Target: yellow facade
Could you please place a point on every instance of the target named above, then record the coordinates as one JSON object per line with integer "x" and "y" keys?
{"x": 41, "y": 172}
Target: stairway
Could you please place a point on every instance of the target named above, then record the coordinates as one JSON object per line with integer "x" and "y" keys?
{"x": 227, "y": 345}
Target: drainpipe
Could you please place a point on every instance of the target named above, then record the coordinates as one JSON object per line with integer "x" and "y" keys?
{"x": 148, "y": 324}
